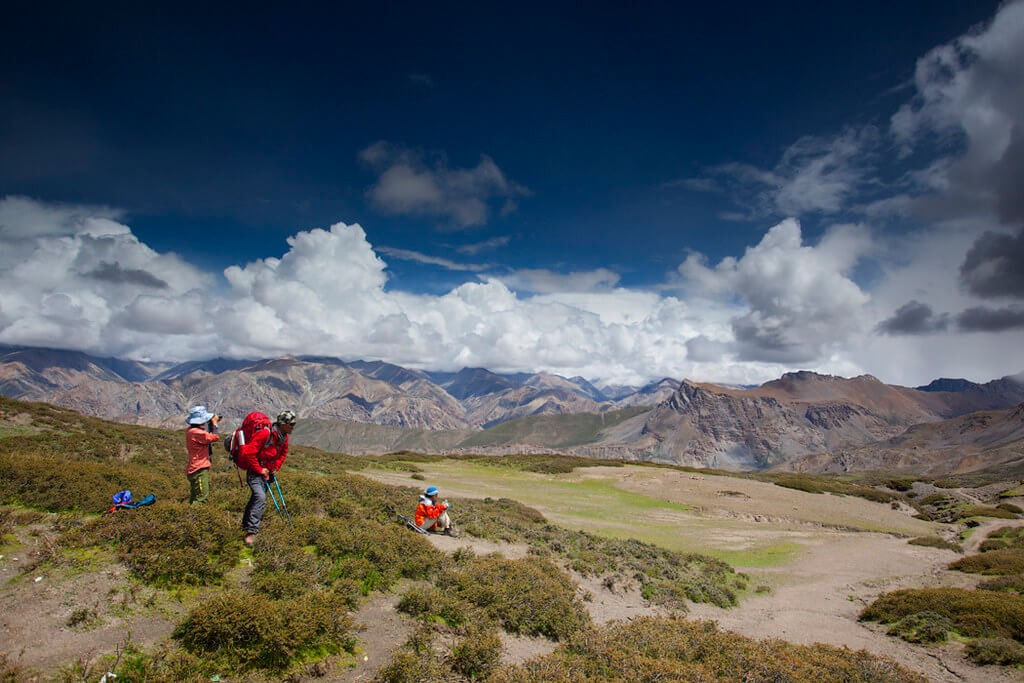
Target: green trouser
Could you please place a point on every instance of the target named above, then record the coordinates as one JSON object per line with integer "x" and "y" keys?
{"x": 199, "y": 486}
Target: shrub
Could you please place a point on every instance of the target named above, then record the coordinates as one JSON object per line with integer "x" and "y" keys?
{"x": 1010, "y": 584}
{"x": 977, "y": 614}
{"x": 1003, "y": 651}
{"x": 936, "y": 542}
{"x": 415, "y": 661}
{"x": 428, "y": 603}
{"x": 531, "y": 597}
{"x": 168, "y": 543}
{"x": 1010, "y": 536}
{"x": 1010, "y": 507}
{"x": 984, "y": 511}
{"x": 663, "y": 649}
{"x": 901, "y": 485}
{"x": 254, "y": 631}
{"x": 389, "y": 550}
{"x": 994, "y": 562}
{"x": 922, "y": 627}
{"x": 57, "y": 483}
{"x": 477, "y": 653}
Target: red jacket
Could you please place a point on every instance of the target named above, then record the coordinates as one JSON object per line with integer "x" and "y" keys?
{"x": 268, "y": 448}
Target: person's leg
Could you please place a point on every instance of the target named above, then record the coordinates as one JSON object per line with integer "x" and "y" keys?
{"x": 253, "y": 514}
{"x": 199, "y": 486}
{"x": 444, "y": 523}
{"x": 193, "y": 487}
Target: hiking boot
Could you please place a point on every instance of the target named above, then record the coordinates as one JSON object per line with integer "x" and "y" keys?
{"x": 450, "y": 531}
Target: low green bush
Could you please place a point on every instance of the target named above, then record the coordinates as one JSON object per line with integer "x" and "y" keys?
{"x": 922, "y": 627}
{"x": 1003, "y": 651}
{"x": 975, "y": 614}
{"x": 431, "y": 603}
{"x": 477, "y": 653}
{"x": 936, "y": 542}
{"x": 663, "y": 649}
{"x": 994, "y": 562}
{"x": 1010, "y": 584}
{"x": 984, "y": 511}
{"x": 253, "y": 631}
{"x": 167, "y": 543}
{"x": 55, "y": 484}
{"x": 528, "y": 596}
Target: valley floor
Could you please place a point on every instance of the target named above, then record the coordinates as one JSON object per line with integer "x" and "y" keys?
{"x": 807, "y": 548}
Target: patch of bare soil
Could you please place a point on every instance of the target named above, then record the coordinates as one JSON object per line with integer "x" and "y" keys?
{"x": 51, "y": 618}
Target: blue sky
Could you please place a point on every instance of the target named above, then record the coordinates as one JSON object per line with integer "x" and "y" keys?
{"x": 717, "y": 192}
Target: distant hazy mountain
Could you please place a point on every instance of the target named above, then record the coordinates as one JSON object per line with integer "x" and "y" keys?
{"x": 801, "y": 419}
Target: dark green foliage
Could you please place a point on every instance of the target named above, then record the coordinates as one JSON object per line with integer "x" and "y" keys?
{"x": 530, "y": 596}
{"x": 388, "y": 549}
{"x": 993, "y": 562}
{"x": 431, "y": 603}
{"x": 541, "y": 463}
{"x": 659, "y": 649}
{"x": 823, "y": 484}
{"x": 56, "y": 484}
{"x": 936, "y": 542}
{"x": 901, "y": 485}
{"x": 168, "y": 544}
{"x": 477, "y": 653}
{"x": 1010, "y": 584}
{"x": 254, "y": 631}
{"x": 415, "y": 662}
{"x": 984, "y": 511}
{"x": 976, "y": 614}
{"x": 1009, "y": 536}
{"x": 922, "y": 627}
{"x": 1010, "y": 507}
{"x": 1002, "y": 651}
{"x": 936, "y": 499}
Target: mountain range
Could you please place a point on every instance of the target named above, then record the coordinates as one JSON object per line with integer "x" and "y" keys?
{"x": 803, "y": 420}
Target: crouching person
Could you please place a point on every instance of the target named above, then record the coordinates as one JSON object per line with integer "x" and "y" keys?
{"x": 433, "y": 516}
{"x": 261, "y": 459}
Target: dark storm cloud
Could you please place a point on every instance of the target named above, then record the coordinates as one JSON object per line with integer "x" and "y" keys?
{"x": 994, "y": 266}
{"x": 769, "y": 343}
{"x": 113, "y": 272}
{"x": 914, "y": 317}
{"x": 983, "y": 319}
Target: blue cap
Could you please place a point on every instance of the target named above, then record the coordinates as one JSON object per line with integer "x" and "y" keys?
{"x": 432, "y": 491}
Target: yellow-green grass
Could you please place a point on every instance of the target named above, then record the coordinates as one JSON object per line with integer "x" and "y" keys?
{"x": 599, "y": 501}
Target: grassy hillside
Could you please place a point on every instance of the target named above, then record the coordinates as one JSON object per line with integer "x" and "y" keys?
{"x": 201, "y": 605}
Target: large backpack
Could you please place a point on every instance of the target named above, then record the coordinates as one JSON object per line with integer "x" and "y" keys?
{"x": 253, "y": 422}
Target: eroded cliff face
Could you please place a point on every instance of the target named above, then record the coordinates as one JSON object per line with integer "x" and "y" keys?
{"x": 700, "y": 426}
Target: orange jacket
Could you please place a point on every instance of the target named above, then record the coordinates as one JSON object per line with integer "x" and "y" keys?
{"x": 427, "y": 510}
{"x": 197, "y": 441}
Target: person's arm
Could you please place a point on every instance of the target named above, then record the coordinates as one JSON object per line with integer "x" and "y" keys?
{"x": 282, "y": 452}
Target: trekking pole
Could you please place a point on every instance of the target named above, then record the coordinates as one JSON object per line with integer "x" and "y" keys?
{"x": 280, "y": 494}
{"x": 273, "y": 497}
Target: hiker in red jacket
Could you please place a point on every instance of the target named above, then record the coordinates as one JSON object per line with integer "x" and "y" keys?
{"x": 261, "y": 458}
{"x": 202, "y": 432}
{"x": 433, "y": 516}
